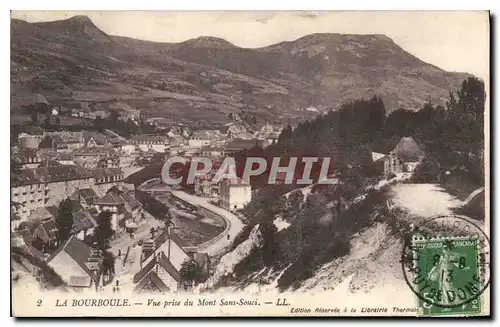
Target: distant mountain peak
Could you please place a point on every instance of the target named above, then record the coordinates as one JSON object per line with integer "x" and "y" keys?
{"x": 81, "y": 19}
{"x": 209, "y": 42}
{"x": 76, "y": 26}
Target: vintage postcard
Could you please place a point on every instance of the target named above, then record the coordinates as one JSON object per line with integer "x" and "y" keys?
{"x": 250, "y": 163}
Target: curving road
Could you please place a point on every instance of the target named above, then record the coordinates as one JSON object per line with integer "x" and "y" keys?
{"x": 233, "y": 227}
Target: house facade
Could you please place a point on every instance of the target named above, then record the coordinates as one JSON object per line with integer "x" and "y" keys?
{"x": 234, "y": 196}
{"x": 404, "y": 158}
{"x": 122, "y": 206}
{"x": 147, "y": 143}
{"x": 48, "y": 186}
{"x": 161, "y": 263}
{"x": 198, "y": 142}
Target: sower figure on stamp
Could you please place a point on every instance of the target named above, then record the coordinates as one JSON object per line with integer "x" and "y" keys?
{"x": 442, "y": 271}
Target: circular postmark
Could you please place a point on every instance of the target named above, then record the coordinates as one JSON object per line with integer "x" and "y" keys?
{"x": 446, "y": 262}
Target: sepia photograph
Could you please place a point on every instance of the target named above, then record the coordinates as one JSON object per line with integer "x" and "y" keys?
{"x": 250, "y": 163}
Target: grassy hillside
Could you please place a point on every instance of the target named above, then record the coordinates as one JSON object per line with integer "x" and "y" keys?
{"x": 72, "y": 63}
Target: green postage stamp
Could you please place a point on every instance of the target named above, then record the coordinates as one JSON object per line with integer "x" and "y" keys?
{"x": 446, "y": 264}
{"x": 447, "y": 275}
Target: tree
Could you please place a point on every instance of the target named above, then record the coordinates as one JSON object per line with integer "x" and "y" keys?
{"x": 400, "y": 122}
{"x": 103, "y": 231}
{"x": 190, "y": 272}
{"x": 99, "y": 123}
{"x": 46, "y": 122}
{"x": 34, "y": 118}
{"x": 64, "y": 220}
{"x": 466, "y": 115}
{"x": 108, "y": 264}
{"x": 269, "y": 244}
{"x": 114, "y": 118}
{"x": 470, "y": 99}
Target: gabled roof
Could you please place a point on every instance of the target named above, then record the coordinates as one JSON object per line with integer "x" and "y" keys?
{"x": 77, "y": 250}
{"x": 83, "y": 220}
{"x": 162, "y": 238}
{"x": 106, "y": 172}
{"x": 76, "y": 206}
{"x": 53, "y": 210}
{"x": 144, "y": 270}
{"x": 152, "y": 279}
{"x": 27, "y": 153}
{"x": 52, "y": 174}
{"x": 41, "y": 213}
{"x": 46, "y": 231}
{"x": 88, "y": 194}
{"x": 111, "y": 199}
{"x": 80, "y": 281}
{"x": 131, "y": 201}
{"x": 408, "y": 150}
{"x": 26, "y": 235}
{"x": 169, "y": 267}
{"x": 161, "y": 260}
{"x": 378, "y": 156}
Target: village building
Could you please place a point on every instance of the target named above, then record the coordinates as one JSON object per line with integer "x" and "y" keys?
{"x": 45, "y": 235}
{"x": 109, "y": 160}
{"x": 128, "y": 148}
{"x": 106, "y": 178}
{"x": 43, "y": 213}
{"x": 161, "y": 263}
{"x": 203, "y": 185}
{"x": 210, "y": 151}
{"x": 234, "y": 196}
{"x": 29, "y": 141}
{"x": 147, "y": 143}
{"x": 53, "y": 143}
{"x": 236, "y": 130}
{"x": 96, "y": 142}
{"x": 198, "y": 142}
{"x": 96, "y": 157}
{"x": 73, "y": 261}
{"x": 84, "y": 223}
{"x": 404, "y": 157}
{"x": 86, "y": 158}
{"x": 60, "y": 142}
{"x": 65, "y": 158}
{"x": 72, "y": 141}
{"x": 29, "y": 158}
{"x": 95, "y": 114}
{"x": 46, "y": 186}
{"x": 122, "y": 205}
{"x": 41, "y": 234}
{"x": 85, "y": 197}
{"x": 25, "y": 256}
{"x": 269, "y": 133}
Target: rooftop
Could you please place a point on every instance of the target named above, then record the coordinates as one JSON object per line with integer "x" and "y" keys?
{"x": 77, "y": 250}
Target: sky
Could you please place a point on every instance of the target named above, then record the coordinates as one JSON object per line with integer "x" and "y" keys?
{"x": 452, "y": 40}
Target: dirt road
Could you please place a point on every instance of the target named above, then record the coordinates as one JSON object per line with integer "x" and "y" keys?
{"x": 234, "y": 224}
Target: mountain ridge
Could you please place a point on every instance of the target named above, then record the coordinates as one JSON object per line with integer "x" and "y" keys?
{"x": 208, "y": 77}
